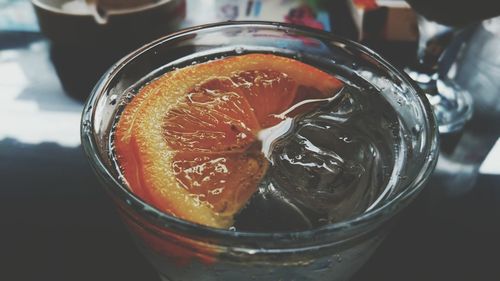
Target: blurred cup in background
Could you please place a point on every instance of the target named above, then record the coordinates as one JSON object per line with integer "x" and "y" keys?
{"x": 88, "y": 36}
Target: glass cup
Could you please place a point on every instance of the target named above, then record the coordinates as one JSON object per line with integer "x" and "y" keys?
{"x": 181, "y": 250}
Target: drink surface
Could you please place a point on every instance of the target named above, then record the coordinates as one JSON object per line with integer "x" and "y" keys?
{"x": 256, "y": 143}
{"x": 330, "y": 164}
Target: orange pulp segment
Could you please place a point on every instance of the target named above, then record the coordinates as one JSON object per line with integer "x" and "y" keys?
{"x": 187, "y": 142}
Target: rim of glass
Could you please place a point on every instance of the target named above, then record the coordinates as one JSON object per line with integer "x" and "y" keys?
{"x": 159, "y": 218}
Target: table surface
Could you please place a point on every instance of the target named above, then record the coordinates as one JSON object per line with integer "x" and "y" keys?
{"x": 58, "y": 224}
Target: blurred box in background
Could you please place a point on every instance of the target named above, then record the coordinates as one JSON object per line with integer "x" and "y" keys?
{"x": 388, "y": 20}
{"x": 307, "y": 13}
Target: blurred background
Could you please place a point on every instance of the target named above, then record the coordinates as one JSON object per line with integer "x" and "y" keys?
{"x": 57, "y": 223}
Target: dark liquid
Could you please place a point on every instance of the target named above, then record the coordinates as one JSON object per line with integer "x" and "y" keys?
{"x": 331, "y": 164}
{"x": 327, "y": 165}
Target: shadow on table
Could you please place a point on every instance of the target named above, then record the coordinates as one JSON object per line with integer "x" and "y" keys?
{"x": 57, "y": 222}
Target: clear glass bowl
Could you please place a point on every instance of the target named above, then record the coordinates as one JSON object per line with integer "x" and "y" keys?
{"x": 181, "y": 250}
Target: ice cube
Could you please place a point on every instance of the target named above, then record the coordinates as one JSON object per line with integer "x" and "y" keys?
{"x": 328, "y": 162}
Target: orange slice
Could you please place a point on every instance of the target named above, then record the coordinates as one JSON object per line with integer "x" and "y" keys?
{"x": 187, "y": 142}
